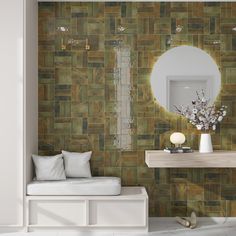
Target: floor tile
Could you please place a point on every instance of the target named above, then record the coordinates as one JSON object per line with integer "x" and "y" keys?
{"x": 159, "y": 227}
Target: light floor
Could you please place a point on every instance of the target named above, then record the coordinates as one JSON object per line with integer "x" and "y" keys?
{"x": 158, "y": 227}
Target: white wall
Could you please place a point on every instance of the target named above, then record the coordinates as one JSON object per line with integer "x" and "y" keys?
{"x": 31, "y": 87}
{"x": 11, "y": 107}
{"x": 31, "y": 83}
{"x": 18, "y": 105}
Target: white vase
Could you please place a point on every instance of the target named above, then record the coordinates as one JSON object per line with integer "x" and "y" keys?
{"x": 205, "y": 144}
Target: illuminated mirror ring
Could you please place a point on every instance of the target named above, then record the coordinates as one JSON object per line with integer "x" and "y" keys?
{"x": 180, "y": 72}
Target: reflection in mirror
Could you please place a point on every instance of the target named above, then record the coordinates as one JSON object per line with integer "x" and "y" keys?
{"x": 180, "y": 72}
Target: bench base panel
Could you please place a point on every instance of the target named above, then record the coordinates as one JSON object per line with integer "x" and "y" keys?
{"x": 126, "y": 212}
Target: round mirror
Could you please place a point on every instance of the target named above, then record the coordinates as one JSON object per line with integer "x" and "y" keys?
{"x": 180, "y": 72}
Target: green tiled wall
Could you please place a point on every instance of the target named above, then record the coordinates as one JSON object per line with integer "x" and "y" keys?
{"x": 100, "y": 99}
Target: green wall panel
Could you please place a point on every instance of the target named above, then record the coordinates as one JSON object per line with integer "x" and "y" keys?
{"x": 100, "y": 99}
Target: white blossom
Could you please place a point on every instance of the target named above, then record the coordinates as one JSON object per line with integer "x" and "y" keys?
{"x": 203, "y": 111}
{"x": 201, "y": 114}
{"x": 199, "y": 127}
{"x": 213, "y": 120}
{"x": 201, "y": 118}
{"x": 192, "y": 117}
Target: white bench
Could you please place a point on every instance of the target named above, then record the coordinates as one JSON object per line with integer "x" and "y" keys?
{"x": 125, "y": 212}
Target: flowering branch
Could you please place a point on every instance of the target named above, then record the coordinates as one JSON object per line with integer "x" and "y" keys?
{"x": 201, "y": 114}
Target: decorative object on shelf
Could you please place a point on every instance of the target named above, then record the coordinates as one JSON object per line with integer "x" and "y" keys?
{"x": 178, "y": 150}
{"x": 205, "y": 145}
{"x": 177, "y": 139}
{"x": 205, "y": 117}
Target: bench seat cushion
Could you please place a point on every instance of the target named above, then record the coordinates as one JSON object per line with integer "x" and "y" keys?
{"x": 76, "y": 186}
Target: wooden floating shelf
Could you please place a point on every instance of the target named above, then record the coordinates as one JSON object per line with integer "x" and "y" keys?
{"x": 217, "y": 159}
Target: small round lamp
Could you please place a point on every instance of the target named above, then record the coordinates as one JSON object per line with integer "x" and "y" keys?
{"x": 177, "y": 139}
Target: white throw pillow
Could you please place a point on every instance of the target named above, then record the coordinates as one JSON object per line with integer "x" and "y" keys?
{"x": 77, "y": 164}
{"x": 49, "y": 167}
